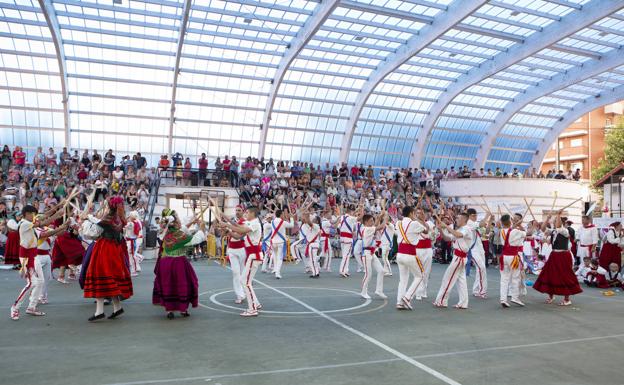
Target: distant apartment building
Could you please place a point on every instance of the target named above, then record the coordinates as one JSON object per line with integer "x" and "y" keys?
{"x": 581, "y": 145}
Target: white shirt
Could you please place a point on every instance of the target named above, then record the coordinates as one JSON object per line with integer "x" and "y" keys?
{"x": 255, "y": 235}
{"x": 43, "y": 244}
{"x": 277, "y": 230}
{"x": 326, "y": 225}
{"x": 516, "y": 237}
{"x": 350, "y": 221}
{"x": 611, "y": 238}
{"x": 464, "y": 242}
{"x": 28, "y": 238}
{"x": 474, "y": 227}
{"x": 582, "y": 271}
{"x": 368, "y": 236}
{"x": 310, "y": 233}
{"x": 412, "y": 230}
{"x": 13, "y": 225}
{"x": 587, "y": 235}
{"x": 386, "y": 235}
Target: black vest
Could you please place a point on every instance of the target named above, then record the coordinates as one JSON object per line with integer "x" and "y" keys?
{"x": 560, "y": 241}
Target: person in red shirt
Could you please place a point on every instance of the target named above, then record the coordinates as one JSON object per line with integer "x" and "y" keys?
{"x": 355, "y": 171}
{"x": 203, "y": 166}
{"x": 19, "y": 157}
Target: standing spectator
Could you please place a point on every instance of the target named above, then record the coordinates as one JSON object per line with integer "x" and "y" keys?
{"x": 65, "y": 157}
{"x": 355, "y": 172}
{"x": 140, "y": 161}
{"x": 96, "y": 157}
{"x": 109, "y": 160}
{"x": 202, "y": 162}
{"x": 186, "y": 174}
{"x": 5, "y": 159}
{"x": 75, "y": 158}
{"x": 39, "y": 158}
{"x": 234, "y": 172}
{"x": 51, "y": 160}
{"x": 19, "y": 157}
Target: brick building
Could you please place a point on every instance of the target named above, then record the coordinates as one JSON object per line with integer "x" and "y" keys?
{"x": 582, "y": 144}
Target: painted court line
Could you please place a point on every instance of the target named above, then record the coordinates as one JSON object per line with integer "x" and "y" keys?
{"x": 368, "y": 338}
{"x": 372, "y": 362}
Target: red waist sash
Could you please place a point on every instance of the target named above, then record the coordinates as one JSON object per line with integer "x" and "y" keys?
{"x": 405, "y": 248}
{"x": 424, "y": 244}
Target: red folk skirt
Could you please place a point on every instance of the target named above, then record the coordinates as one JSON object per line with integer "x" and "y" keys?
{"x": 609, "y": 253}
{"x": 11, "y": 249}
{"x": 108, "y": 274}
{"x": 175, "y": 286}
{"x": 557, "y": 276}
{"x": 67, "y": 250}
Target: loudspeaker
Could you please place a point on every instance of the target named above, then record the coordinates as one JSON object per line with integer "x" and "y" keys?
{"x": 150, "y": 238}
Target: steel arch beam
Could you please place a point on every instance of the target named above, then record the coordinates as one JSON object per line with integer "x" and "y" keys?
{"x": 571, "y": 23}
{"x": 611, "y": 60}
{"x": 176, "y": 71}
{"x": 55, "y": 30}
{"x": 571, "y": 116}
{"x": 457, "y": 11}
{"x": 312, "y": 25}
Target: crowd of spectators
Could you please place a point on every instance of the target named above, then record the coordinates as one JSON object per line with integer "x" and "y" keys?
{"x": 47, "y": 177}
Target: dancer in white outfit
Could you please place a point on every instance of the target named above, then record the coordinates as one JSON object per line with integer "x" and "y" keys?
{"x": 512, "y": 238}
{"x": 386, "y": 238}
{"x": 327, "y": 223}
{"x": 456, "y": 271}
{"x": 236, "y": 255}
{"x": 370, "y": 227}
{"x": 424, "y": 250}
{"x": 479, "y": 288}
{"x": 278, "y": 243}
{"x": 347, "y": 230}
{"x": 409, "y": 230}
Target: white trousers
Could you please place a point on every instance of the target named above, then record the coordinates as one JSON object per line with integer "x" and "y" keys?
{"x": 277, "y": 254}
{"x": 267, "y": 262}
{"x": 346, "y": 249}
{"x": 510, "y": 279}
{"x": 426, "y": 257}
{"x": 251, "y": 267}
{"x": 408, "y": 265}
{"x": 34, "y": 285}
{"x": 133, "y": 256}
{"x": 385, "y": 252}
{"x": 45, "y": 262}
{"x": 370, "y": 262}
{"x": 326, "y": 254}
{"x": 295, "y": 249}
{"x": 358, "y": 250}
{"x": 582, "y": 252}
{"x": 480, "y": 283}
{"x": 455, "y": 274}
{"x": 237, "y": 263}
{"x": 313, "y": 259}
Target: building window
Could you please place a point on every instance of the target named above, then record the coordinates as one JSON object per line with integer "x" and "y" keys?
{"x": 576, "y": 142}
{"x": 575, "y": 166}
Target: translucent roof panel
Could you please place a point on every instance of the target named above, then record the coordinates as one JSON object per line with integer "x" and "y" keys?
{"x": 519, "y": 81}
{"x": 229, "y": 58}
{"x": 120, "y": 60}
{"x": 538, "y": 118}
{"x": 314, "y": 101}
{"x": 31, "y": 107}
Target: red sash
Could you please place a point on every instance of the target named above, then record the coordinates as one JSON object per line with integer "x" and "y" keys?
{"x": 310, "y": 243}
{"x": 509, "y": 250}
{"x": 43, "y": 252}
{"x": 277, "y": 230}
{"x": 405, "y": 248}
{"x": 424, "y": 244}
{"x": 237, "y": 243}
{"x": 460, "y": 253}
{"x": 30, "y": 254}
{"x": 346, "y": 235}
{"x": 325, "y": 237}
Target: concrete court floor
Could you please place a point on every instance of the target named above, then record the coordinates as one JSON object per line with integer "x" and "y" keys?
{"x": 359, "y": 343}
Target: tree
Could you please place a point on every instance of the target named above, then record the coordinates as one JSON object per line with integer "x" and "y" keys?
{"x": 614, "y": 152}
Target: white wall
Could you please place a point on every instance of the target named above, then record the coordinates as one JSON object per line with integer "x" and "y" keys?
{"x": 496, "y": 192}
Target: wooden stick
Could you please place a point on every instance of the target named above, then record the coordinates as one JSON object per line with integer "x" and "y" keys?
{"x": 529, "y": 208}
{"x": 554, "y": 202}
{"x": 560, "y": 211}
{"x": 486, "y": 205}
